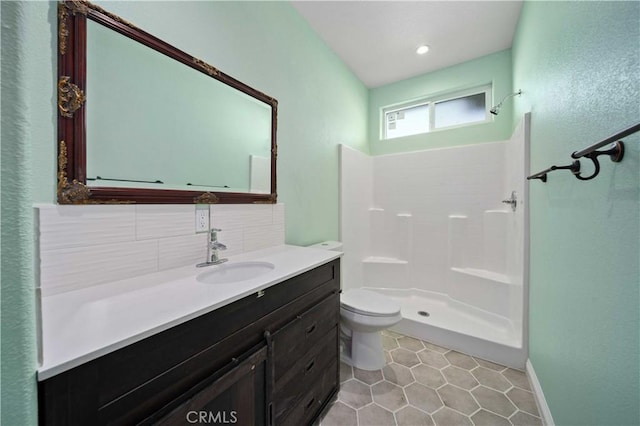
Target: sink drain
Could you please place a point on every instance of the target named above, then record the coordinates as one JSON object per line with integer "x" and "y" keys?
{"x": 423, "y": 313}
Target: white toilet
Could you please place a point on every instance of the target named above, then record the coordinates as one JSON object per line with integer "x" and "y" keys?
{"x": 364, "y": 314}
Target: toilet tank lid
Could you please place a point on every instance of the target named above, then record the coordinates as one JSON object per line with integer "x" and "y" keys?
{"x": 367, "y": 301}
{"x": 328, "y": 245}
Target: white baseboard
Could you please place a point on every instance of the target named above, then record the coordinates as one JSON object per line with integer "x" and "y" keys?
{"x": 543, "y": 408}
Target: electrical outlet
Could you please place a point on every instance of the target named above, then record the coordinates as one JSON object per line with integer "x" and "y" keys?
{"x": 202, "y": 219}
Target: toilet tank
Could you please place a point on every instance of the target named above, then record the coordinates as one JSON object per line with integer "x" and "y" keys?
{"x": 328, "y": 245}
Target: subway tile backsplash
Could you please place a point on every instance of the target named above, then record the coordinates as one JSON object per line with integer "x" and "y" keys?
{"x": 164, "y": 220}
{"x": 74, "y": 268}
{"x": 82, "y": 246}
{"x": 175, "y": 252}
{"x": 81, "y": 226}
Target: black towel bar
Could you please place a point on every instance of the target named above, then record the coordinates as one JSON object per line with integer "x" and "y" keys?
{"x": 611, "y": 139}
{"x": 615, "y": 153}
{"x": 125, "y": 180}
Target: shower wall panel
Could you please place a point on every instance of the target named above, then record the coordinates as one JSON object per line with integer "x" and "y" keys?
{"x": 432, "y": 186}
{"x": 356, "y": 197}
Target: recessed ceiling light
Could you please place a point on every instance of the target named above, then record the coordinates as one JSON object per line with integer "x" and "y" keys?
{"x": 421, "y": 50}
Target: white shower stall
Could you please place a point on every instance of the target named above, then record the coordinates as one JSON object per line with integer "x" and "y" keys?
{"x": 429, "y": 229}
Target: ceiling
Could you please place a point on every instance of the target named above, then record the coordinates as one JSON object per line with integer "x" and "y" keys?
{"x": 378, "y": 39}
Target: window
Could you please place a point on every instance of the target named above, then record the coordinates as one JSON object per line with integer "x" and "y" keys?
{"x": 441, "y": 112}
{"x": 408, "y": 121}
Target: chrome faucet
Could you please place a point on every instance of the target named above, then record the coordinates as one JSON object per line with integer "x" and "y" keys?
{"x": 213, "y": 245}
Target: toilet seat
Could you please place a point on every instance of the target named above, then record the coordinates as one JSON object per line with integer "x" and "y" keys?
{"x": 369, "y": 303}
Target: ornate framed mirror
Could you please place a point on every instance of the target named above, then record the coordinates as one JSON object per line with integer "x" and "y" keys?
{"x": 141, "y": 121}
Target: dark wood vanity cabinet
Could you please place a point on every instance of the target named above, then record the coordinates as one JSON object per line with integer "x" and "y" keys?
{"x": 270, "y": 358}
{"x": 237, "y": 396}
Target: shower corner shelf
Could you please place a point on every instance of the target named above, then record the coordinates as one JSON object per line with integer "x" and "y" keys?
{"x": 483, "y": 273}
{"x": 381, "y": 259}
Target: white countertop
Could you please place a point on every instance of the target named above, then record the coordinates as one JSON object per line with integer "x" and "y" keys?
{"x": 82, "y": 325}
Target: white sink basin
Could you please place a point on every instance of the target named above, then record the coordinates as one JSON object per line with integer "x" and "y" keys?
{"x": 234, "y": 272}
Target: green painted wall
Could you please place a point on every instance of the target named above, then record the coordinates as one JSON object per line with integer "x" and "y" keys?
{"x": 23, "y": 106}
{"x": 494, "y": 68}
{"x": 578, "y": 63}
{"x": 267, "y": 45}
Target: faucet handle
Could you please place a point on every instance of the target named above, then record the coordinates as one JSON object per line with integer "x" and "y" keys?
{"x": 513, "y": 200}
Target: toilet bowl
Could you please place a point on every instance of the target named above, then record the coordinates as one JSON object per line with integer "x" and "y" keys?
{"x": 363, "y": 315}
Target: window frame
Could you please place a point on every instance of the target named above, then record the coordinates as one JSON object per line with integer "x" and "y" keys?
{"x": 431, "y": 101}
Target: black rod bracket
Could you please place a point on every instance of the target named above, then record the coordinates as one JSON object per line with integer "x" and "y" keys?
{"x": 615, "y": 153}
{"x": 542, "y": 177}
{"x": 574, "y": 167}
{"x": 596, "y": 165}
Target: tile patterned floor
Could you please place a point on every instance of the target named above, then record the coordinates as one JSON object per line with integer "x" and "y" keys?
{"x": 425, "y": 384}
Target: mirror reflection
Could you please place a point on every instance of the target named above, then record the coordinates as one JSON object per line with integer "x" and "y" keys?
{"x": 153, "y": 122}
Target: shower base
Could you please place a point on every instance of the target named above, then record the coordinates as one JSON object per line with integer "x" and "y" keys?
{"x": 458, "y": 326}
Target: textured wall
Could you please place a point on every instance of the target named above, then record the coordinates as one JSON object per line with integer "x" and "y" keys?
{"x": 578, "y": 64}
{"x": 494, "y": 68}
{"x": 18, "y": 307}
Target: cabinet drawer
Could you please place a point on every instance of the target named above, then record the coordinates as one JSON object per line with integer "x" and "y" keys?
{"x": 315, "y": 399}
{"x": 304, "y": 374}
{"x": 290, "y": 343}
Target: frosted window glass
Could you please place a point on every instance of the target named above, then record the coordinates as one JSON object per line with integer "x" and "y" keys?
{"x": 469, "y": 109}
{"x": 409, "y": 121}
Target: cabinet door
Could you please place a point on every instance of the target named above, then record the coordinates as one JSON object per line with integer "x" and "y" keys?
{"x": 237, "y": 397}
